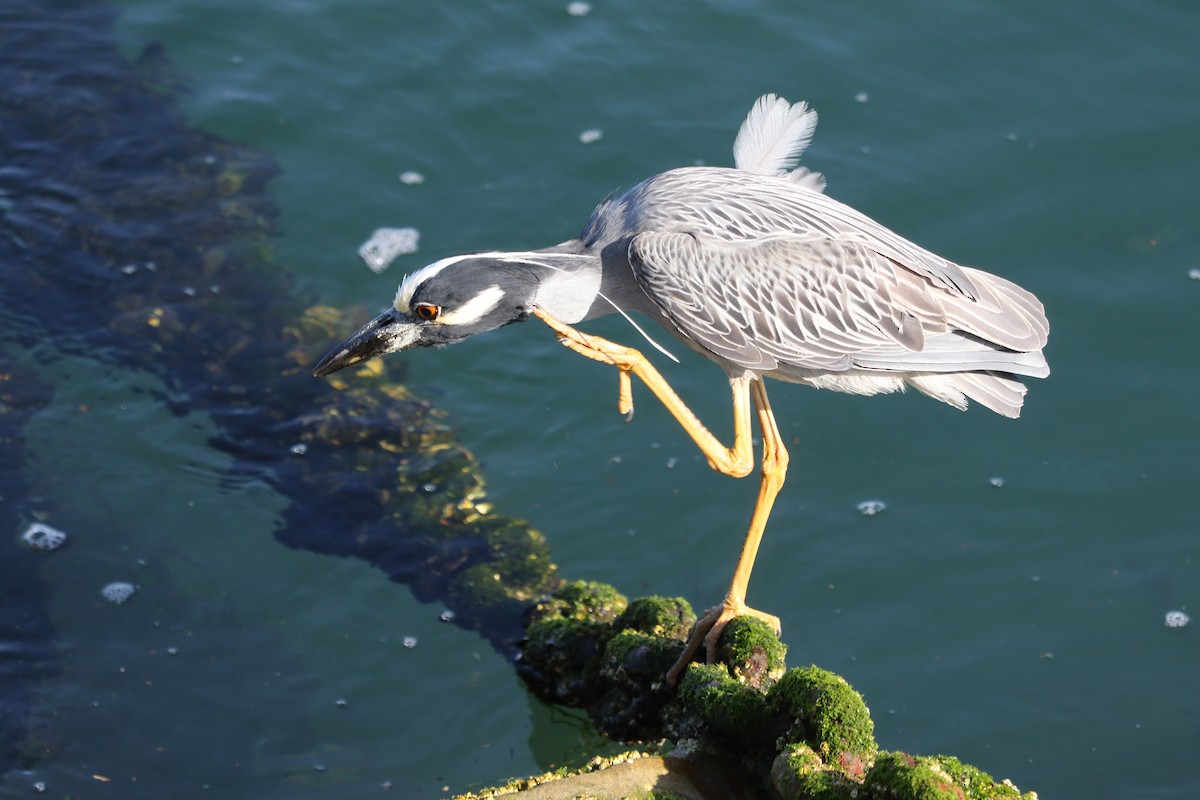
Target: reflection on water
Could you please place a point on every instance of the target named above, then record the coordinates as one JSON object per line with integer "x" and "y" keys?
{"x": 27, "y": 644}
{"x": 134, "y": 240}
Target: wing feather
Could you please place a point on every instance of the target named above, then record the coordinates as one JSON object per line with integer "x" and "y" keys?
{"x": 812, "y": 303}
{"x": 737, "y": 206}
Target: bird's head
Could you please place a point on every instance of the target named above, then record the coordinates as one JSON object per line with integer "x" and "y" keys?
{"x": 443, "y": 303}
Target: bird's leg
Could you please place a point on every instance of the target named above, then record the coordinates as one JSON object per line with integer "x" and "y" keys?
{"x": 737, "y": 460}
{"x": 708, "y": 628}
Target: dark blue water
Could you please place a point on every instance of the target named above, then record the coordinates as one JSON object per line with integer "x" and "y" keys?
{"x": 1020, "y": 628}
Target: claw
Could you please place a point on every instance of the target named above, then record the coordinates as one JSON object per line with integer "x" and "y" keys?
{"x": 708, "y": 630}
{"x": 625, "y": 395}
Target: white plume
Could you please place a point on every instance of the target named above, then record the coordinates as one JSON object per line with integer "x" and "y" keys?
{"x": 773, "y": 136}
{"x": 805, "y": 177}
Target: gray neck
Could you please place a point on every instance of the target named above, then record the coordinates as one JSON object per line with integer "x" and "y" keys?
{"x": 576, "y": 289}
{"x": 568, "y": 282}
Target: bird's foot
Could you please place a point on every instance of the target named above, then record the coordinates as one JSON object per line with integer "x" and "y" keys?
{"x": 602, "y": 350}
{"x": 708, "y": 630}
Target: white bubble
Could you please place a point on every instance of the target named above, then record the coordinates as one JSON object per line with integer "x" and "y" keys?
{"x": 42, "y": 538}
{"x": 410, "y": 642}
{"x": 862, "y": 97}
{"x": 579, "y": 8}
{"x": 1177, "y": 619}
{"x": 591, "y": 135}
{"x": 299, "y": 449}
{"x": 412, "y": 177}
{"x": 386, "y": 244}
{"x": 1194, "y": 273}
{"x": 869, "y": 508}
{"x": 118, "y": 592}
{"x": 997, "y": 481}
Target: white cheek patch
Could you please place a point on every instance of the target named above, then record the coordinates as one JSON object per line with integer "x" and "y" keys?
{"x": 474, "y": 309}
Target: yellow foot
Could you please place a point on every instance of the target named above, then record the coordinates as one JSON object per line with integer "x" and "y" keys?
{"x": 602, "y": 350}
{"x": 708, "y": 630}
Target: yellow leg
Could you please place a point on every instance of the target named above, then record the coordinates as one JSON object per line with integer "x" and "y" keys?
{"x": 708, "y": 628}
{"x": 736, "y": 461}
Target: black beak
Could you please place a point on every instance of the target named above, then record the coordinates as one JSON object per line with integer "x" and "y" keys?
{"x": 386, "y": 333}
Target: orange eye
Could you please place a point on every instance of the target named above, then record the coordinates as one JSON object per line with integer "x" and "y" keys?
{"x": 427, "y": 311}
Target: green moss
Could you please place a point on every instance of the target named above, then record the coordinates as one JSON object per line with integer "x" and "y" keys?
{"x": 481, "y": 588}
{"x": 798, "y": 772}
{"x": 580, "y": 642}
{"x": 638, "y": 658}
{"x": 829, "y": 716}
{"x": 736, "y": 710}
{"x": 752, "y": 651}
{"x": 520, "y": 556}
{"x": 904, "y": 777}
{"x": 670, "y": 617}
{"x": 583, "y": 600}
{"x": 899, "y": 776}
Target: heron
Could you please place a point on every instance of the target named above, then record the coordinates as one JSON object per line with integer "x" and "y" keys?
{"x": 758, "y": 270}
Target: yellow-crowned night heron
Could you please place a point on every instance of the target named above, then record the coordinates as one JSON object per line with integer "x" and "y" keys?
{"x": 757, "y": 270}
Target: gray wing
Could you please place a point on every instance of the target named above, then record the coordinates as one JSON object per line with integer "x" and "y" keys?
{"x": 812, "y": 302}
{"x": 740, "y": 208}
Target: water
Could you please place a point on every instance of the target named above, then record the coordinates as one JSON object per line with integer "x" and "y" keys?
{"x": 1019, "y": 627}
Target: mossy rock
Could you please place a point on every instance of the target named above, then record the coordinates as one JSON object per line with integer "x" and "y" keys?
{"x": 521, "y": 556}
{"x": 899, "y": 776}
{"x": 586, "y": 601}
{"x": 564, "y": 654}
{"x": 479, "y": 586}
{"x": 752, "y": 652}
{"x": 798, "y": 772}
{"x": 829, "y": 716}
{"x": 669, "y": 617}
{"x": 736, "y": 710}
{"x": 639, "y": 659}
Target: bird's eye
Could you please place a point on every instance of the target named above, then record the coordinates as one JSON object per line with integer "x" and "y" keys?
{"x": 427, "y": 311}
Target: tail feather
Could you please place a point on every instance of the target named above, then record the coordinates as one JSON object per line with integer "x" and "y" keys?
{"x": 955, "y": 351}
{"x": 1000, "y": 393}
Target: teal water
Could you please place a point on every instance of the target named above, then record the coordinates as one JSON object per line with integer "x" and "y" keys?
{"x": 1020, "y": 628}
